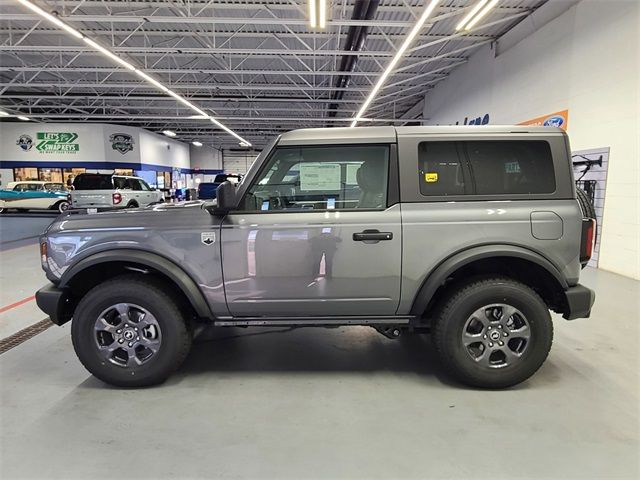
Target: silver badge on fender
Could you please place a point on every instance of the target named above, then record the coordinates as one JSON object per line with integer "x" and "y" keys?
{"x": 208, "y": 238}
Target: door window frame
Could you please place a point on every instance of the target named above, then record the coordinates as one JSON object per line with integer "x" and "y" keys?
{"x": 393, "y": 185}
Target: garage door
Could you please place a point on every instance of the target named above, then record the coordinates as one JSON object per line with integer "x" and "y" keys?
{"x": 237, "y": 162}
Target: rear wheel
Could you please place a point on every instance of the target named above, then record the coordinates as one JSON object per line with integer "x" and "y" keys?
{"x": 493, "y": 333}
{"x": 130, "y": 332}
{"x": 62, "y": 206}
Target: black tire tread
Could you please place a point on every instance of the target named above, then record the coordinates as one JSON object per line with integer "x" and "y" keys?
{"x": 446, "y": 359}
{"x": 128, "y": 282}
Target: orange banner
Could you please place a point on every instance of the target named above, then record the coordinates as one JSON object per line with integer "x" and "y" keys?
{"x": 557, "y": 119}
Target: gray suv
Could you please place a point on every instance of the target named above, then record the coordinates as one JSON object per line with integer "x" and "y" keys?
{"x": 471, "y": 234}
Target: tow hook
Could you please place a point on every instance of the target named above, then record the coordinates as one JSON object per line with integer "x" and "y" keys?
{"x": 390, "y": 331}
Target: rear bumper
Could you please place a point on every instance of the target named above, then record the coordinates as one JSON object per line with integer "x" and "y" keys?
{"x": 55, "y": 303}
{"x": 579, "y": 300}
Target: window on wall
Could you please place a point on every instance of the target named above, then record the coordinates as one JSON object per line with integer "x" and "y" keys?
{"x": 68, "y": 174}
{"x": 322, "y": 178}
{"x": 50, "y": 175}
{"x": 486, "y": 167}
{"x": 22, "y": 174}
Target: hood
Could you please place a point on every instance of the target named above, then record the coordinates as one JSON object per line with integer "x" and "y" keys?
{"x": 156, "y": 217}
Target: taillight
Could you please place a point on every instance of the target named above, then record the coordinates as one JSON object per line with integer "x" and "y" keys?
{"x": 117, "y": 198}
{"x": 588, "y": 239}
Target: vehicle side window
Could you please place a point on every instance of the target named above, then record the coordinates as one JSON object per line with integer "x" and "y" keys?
{"x": 18, "y": 188}
{"x": 321, "y": 178}
{"x": 143, "y": 185}
{"x": 486, "y": 167}
{"x": 121, "y": 183}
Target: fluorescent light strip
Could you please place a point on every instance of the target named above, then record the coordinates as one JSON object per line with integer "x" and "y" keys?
{"x": 482, "y": 13}
{"x": 23, "y": 118}
{"x": 127, "y": 65}
{"x": 169, "y": 133}
{"x": 196, "y": 143}
{"x": 312, "y": 14}
{"x": 414, "y": 31}
{"x": 4, "y": 114}
{"x": 322, "y": 13}
{"x": 109, "y": 54}
{"x": 470, "y": 15}
{"x": 51, "y": 18}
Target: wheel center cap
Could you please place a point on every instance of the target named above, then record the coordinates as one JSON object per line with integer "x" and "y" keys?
{"x": 129, "y": 334}
{"x": 495, "y": 335}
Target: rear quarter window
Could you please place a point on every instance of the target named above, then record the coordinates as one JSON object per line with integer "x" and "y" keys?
{"x": 90, "y": 181}
{"x": 486, "y": 167}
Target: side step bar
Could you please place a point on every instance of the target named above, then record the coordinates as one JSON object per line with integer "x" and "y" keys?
{"x": 312, "y": 321}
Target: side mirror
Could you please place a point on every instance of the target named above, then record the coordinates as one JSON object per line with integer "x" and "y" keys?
{"x": 226, "y": 197}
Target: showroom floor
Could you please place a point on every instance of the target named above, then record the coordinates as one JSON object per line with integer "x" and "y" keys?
{"x": 312, "y": 403}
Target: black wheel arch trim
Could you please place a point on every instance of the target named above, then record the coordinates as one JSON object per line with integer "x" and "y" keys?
{"x": 439, "y": 275}
{"x": 152, "y": 260}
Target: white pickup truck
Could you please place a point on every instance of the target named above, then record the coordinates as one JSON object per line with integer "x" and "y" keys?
{"x": 96, "y": 191}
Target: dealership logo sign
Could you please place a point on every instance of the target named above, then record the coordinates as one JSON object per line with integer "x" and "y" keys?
{"x": 62, "y": 142}
{"x": 25, "y": 142}
{"x": 121, "y": 142}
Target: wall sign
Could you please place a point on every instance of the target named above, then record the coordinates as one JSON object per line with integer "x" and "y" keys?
{"x": 122, "y": 142}
{"x": 61, "y": 142}
{"x": 25, "y": 142}
{"x": 558, "y": 119}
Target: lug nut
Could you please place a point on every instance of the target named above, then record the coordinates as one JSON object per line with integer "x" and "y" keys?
{"x": 499, "y": 326}
{"x": 137, "y": 338}
{"x": 501, "y": 343}
{"x": 490, "y": 344}
{"x": 121, "y": 341}
{"x": 505, "y": 334}
{"x": 131, "y": 344}
{"x": 136, "y": 329}
{"x": 484, "y": 337}
{"x": 118, "y": 331}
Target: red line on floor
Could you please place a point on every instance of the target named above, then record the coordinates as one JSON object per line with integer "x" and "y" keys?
{"x": 17, "y": 304}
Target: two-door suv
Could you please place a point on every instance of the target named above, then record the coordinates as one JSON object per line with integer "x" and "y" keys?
{"x": 471, "y": 234}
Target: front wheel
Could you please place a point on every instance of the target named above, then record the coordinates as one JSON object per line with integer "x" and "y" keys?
{"x": 493, "y": 333}
{"x": 129, "y": 332}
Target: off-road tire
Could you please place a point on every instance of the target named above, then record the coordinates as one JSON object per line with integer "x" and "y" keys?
{"x": 453, "y": 313}
{"x": 150, "y": 294}
{"x": 588, "y": 210}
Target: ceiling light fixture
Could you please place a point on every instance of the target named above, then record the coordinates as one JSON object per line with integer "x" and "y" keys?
{"x": 169, "y": 133}
{"x": 322, "y": 14}
{"x": 202, "y": 114}
{"x": 470, "y": 15}
{"x": 313, "y": 22}
{"x": 196, "y": 143}
{"x": 3, "y": 113}
{"x": 23, "y": 118}
{"x": 109, "y": 54}
{"x": 396, "y": 58}
{"x": 482, "y": 13}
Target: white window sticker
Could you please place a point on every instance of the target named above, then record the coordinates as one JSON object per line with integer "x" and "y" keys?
{"x": 319, "y": 176}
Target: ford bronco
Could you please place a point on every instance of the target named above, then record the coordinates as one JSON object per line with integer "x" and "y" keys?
{"x": 470, "y": 234}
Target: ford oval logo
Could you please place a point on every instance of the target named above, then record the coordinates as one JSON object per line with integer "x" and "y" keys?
{"x": 556, "y": 121}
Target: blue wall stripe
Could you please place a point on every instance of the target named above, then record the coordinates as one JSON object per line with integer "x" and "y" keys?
{"x": 101, "y": 166}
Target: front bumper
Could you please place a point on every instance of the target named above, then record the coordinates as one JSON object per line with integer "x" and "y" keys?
{"x": 579, "y": 300}
{"x": 56, "y": 303}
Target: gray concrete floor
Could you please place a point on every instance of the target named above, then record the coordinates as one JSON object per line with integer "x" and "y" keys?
{"x": 315, "y": 403}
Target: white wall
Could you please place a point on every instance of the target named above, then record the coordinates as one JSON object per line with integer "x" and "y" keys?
{"x": 587, "y": 61}
{"x": 205, "y": 158}
{"x": 94, "y": 145}
{"x": 161, "y": 150}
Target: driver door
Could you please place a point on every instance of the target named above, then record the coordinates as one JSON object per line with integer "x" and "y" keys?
{"x": 315, "y": 236}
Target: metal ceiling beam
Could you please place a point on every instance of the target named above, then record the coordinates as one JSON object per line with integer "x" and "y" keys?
{"x": 183, "y": 118}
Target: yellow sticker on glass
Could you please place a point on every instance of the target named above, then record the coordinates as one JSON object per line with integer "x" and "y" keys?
{"x": 431, "y": 177}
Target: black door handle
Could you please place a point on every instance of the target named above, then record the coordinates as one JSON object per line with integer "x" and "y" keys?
{"x": 372, "y": 235}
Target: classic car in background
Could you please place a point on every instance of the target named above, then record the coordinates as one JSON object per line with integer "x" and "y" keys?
{"x": 34, "y": 195}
